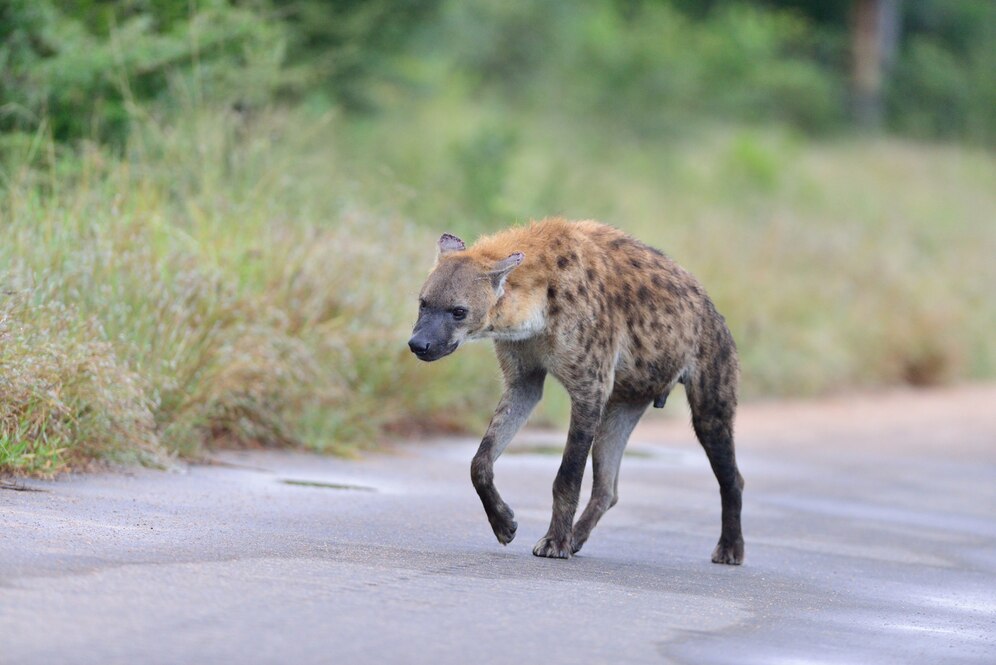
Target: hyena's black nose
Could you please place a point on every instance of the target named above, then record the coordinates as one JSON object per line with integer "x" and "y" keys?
{"x": 419, "y": 347}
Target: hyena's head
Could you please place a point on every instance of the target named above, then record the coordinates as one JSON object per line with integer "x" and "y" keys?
{"x": 457, "y": 299}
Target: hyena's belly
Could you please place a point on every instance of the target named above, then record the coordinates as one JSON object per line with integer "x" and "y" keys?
{"x": 648, "y": 378}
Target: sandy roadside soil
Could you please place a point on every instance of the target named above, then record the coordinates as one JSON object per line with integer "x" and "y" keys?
{"x": 921, "y": 421}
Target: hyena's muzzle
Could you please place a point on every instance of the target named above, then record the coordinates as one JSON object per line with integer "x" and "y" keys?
{"x": 433, "y": 335}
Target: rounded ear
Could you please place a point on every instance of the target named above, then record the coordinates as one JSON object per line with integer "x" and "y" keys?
{"x": 499, "y": 273}
{"x": 449, "y": 243}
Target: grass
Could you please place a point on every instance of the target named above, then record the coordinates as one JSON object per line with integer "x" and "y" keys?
{"x": 198, "y": 291}
{"x": 847, "y": 262}
{"x": 251, "y": 281}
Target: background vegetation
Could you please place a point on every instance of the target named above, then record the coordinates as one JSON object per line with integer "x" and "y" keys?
{"x": 214, "y": 215}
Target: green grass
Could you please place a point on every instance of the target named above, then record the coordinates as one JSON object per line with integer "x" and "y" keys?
{"x": 252, "y": 282}
{"x": 23, "y": 452}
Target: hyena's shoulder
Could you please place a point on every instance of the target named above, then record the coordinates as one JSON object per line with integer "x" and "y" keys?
{"x": 556, "y": 248}
{"x": 603, "y": 257}
{"x": 588, "y": 269}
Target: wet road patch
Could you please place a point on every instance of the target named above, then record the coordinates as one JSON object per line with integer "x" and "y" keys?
{"x": 328, "y": 486}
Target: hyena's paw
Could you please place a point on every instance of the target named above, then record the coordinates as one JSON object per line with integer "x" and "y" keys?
{"x": 554, "y": 548}
{"x": 503, "y": 524}
{"x": 731, "y": 553}
{"x": 580, "y": 537}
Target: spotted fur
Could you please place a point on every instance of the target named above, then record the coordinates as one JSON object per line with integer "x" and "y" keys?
{"x": 619, "y": 324}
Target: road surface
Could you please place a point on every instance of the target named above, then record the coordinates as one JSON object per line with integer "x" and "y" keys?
{"x": 870, "y": 525}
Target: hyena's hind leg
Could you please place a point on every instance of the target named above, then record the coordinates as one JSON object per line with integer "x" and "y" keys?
{"x": 712, "y": 398}
{"x": 613, "y": 432}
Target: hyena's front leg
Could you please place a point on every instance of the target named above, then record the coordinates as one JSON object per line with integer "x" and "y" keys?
{"x": 585, "y": 414}
{"x": 523, "y": 391}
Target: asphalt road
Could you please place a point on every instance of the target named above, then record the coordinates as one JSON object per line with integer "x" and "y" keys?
{"x": 870, "y": 526}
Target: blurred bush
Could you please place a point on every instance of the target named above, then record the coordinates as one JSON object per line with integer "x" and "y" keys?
{"x": 647, "y": 65}
{"x": 650, "y": 68}
{"x": 344, "y": 49}
{"x": 944, "y": 83}
{"x": 87, "y": 68}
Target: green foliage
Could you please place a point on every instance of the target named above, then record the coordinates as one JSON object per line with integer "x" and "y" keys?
{"x": 944, "y": 85}
{"x": 346, "y": 48}
{"x": 87, "y": 85}
{"x": 650, "y": 68}
{"x": 86, "y": 68}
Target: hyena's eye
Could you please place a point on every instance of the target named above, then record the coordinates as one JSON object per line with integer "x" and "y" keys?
{"x": 421, "y": 304}
{"x": 459, "y": 313}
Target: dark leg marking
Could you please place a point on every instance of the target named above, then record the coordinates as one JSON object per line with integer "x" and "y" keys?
{"x": 585, "y": 414}
{"x": 713, "y": 404}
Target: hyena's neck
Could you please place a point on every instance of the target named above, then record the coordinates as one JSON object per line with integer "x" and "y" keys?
{"x": 520, "y": 312}
{"x": 520, "y": 324}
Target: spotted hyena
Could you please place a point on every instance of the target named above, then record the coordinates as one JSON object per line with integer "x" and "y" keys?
{"x": 618, "y": 324}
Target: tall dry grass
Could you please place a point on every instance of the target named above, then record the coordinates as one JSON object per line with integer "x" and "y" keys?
{"x": 252, "y": 280}
{"x": 209, "y": 289}
{"x": 848, "y": 262}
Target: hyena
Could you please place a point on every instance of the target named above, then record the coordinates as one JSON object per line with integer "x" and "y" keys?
{"x": 619, "y": 324}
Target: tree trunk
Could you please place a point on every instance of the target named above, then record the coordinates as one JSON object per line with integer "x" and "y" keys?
{"x": 874, "y": 40}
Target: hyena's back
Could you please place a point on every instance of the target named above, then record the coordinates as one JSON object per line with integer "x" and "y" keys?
{"x": 605, "y": 288}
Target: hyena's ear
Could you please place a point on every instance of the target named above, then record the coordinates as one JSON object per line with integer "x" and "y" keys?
{"x": 499, "y": 273}
{"x": 450, "y": 243}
